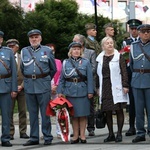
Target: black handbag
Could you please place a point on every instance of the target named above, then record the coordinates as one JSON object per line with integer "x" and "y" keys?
{"x": 100, "y": 120}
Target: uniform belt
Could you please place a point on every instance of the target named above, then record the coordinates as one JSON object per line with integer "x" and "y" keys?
{"x": 5, "y": 76}
{"x": 36, "y": 76}
{"x": 75, "y": 80}
{"x": 142, "y": 70}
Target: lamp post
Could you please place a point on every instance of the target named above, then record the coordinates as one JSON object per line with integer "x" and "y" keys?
{"x": 96, "y": 22}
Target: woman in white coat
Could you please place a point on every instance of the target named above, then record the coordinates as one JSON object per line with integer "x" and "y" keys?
{"x": 113, "y": 86}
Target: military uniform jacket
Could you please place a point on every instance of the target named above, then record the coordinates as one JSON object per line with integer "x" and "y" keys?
{"x": 139, "y": 61}
{"x": 76, "y": 89}
{"x": 45, "y": 59}
{"x": 19, "y": 73}
{"x": 94, "y": 45}
{"x": 8, "y": 85}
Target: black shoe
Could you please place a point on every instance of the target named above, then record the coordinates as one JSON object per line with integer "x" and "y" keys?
{"x": 6, "y": 144}
{"x": 118, "y": 138}
{"x": 28, "y": 143}
{"x": 130, "y": 132}
{"x": 47, "y": 142}
{"x": 75, "y": 141}
{"x": 83, "y": 141}
{"x": 91, "y": 133}
{"x": 139, "y": 139}
{"x": 110, "y": 138}
{"x": 24, "y": 136}
{"x": 11, "y": 137}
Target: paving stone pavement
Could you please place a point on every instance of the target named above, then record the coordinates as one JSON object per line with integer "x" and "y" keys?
{"x": 93, "y": 143}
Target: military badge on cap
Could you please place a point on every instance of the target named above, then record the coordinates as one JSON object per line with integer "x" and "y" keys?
{"x": 134, "y": 23}
{"x": 34, "y": 32}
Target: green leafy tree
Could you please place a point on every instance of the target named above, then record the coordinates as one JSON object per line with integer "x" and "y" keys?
{"x": 11, "y": 20}
{"x": 59, "y": 21}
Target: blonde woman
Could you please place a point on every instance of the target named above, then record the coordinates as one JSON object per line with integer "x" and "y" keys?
{"x": 76, "y": 83}
{"x": 113, "y": 86}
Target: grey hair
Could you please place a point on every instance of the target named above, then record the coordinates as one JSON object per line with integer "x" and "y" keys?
{"x": 105, "y": 39}
{"x": 81, "y": 38}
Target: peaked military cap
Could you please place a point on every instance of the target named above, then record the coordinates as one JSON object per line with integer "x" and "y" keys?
{"x": 144, "y": 27}
{"x": 74, "y": 44}
{"x": 33, "y": 32}
{"x": 1, "y": 33}
{"x": 90, "y": 26}
{"x": 134, "y": 23}
{"x": 108, "y": 25}
{"x": 12, "y": 42}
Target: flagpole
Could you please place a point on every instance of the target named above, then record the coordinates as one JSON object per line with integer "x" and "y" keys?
{"x": 20, "y": 3}
{"x": 96, "y": 22}
{"x": 112, "y": 10}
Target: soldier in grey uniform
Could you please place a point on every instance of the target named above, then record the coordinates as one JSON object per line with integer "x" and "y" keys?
{"x": 8, "y": 89}
{"x": 91, "y": 56}
{"x": 140, "y": 82}
{"x": 91, "y": 42}
{"x": 38, "y": 67}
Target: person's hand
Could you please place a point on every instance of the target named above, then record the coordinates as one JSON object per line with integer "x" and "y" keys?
{"x": 20, "y": 88}
{"x": 53, "y": 90}
{"x": 125, "y": 90}
{"x": 13, "y": 94}
{"x": 90, "y": 96}
{"x": 60, "y": 95}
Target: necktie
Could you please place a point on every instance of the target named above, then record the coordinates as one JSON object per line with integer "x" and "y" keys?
{"x": 135, "y": 39}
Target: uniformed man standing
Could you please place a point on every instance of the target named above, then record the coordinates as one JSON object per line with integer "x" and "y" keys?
{"x": 140, "y": 67}
{"x": 20, "y": 98}
{"x": 38, "y": 67}
{"x": 8, "y": 89}
{"x": 91, "y": 42}
{"x": 133, "y": 24}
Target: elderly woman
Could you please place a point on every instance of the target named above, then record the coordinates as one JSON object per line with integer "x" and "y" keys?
{"x": 76, "y": 83}
{"x": 113, "y": 86}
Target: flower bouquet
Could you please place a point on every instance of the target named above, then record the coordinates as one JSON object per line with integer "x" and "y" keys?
{"x": 62, "y": 109}
{"x": 125, "y": 52}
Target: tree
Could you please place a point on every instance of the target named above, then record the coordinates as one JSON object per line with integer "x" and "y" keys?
{"x": 59, "y": 21}
{"x": 11, "y": 20}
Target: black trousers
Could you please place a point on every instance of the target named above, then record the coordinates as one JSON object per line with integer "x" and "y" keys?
{"x": 132, "y": 103}
{"x": 91, "y": 117}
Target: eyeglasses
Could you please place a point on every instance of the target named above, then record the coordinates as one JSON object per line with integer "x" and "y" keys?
{"x": 145, "y": 31}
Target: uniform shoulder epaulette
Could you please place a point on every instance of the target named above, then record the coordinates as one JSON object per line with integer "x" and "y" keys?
{"x": 6, "y": 48}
